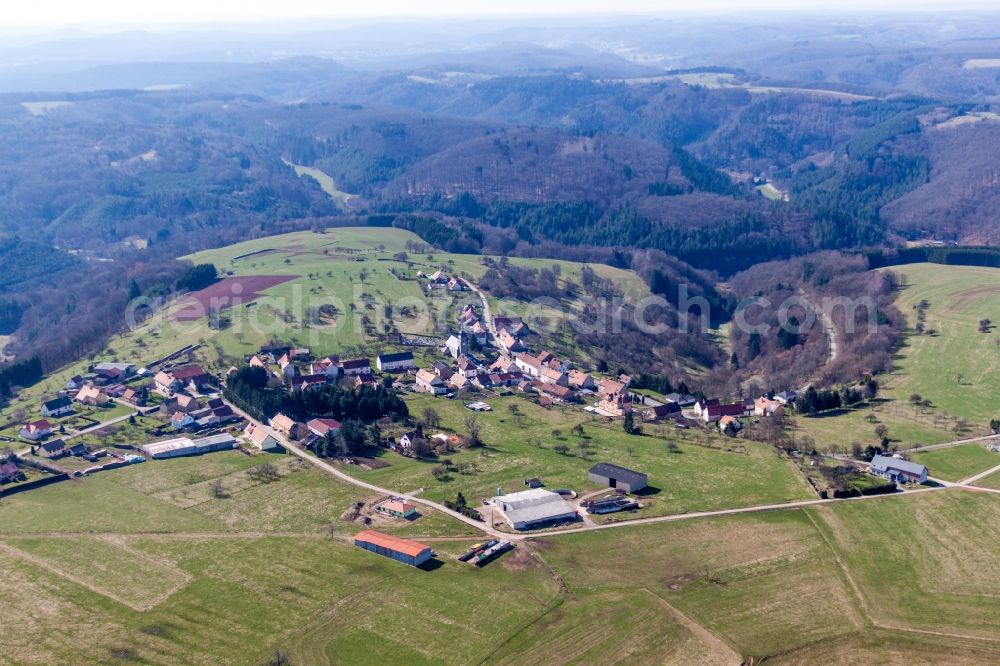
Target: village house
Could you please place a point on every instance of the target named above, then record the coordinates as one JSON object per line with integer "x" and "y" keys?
{"x": 615, "y": 398}
{"x": 762, "y": 406}
{"x": 329, "y": 366}
{"x": 306, "y": 382}
{"x": 714, "y": 410}
{"x": 258, "y": 362}
{"x": 183, "y": 403}
{"x": 323, "y": 427}
{"x": 10, "y": 473}
{"x": 286, "y": 368}
{"x": 670, "y": 410}
{"x": 36, "y": 430}
{"x": 555, "y": 391}
{"x": 91, "y": 395}
{"x": 729, "y": 422}
{"x": 509, "y": 343}
{"x": 682, "y": 399}
{"x": 363, "y": 380}
{"x": 504, "y": 364}
{"x": 119, "y": 369}
{"x": 74, "y": 383}
{"x": 398, "y": 362}
{"x": 530, "y": 366}
{"x": 54, "y": 448}
{"x": 283, "y": 424}
{"x": 357, "y": 366}
{"x": 181, "y": 420}
{"x": 407, "y": 439}
{"x": 460, "y": 381}
{"x": 396, "y": 507}
{"x": 581, "y": 380}
{"x": 428, "y": 382}
{"x": 513, "y": 325}
{"x": 786, "y": 397}
{"x": 260, "y": 438}
{"x": 57, "y": 407}
{"x": 551, "y": 376}
{"x": 455, "y": 284}
{"x": 467, "y": 367}
{"x": 133, "y": 397}
{"x": 300, "y": 354}
{"x": 190, "y": 377}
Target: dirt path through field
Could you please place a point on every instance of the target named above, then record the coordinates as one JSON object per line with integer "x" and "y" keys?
{"x": 719, "y": 651}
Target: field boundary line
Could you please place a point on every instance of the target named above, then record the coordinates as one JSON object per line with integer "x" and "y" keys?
{"x": 885, "y": 626}
{"x": 48, "y": 566}
{"x": 711, "y": 639}
{"x": 852, "y": 584}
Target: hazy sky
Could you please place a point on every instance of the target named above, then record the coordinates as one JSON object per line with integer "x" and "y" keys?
{"x": 53, "y": 13}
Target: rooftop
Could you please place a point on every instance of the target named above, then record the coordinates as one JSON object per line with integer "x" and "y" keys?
{"x": 620, "y": 473}
{"x": 404, "y": 546}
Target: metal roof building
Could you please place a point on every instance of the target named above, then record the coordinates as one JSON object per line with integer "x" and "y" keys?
{"x": 533, "y": 508}
{"x": 897, "y": 469}
{"x": 614, "y": 476}
{"x": 401, "y": 550}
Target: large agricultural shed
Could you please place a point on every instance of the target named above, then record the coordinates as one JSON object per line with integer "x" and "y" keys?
{"x": 533, "y": 508}
{"x": 401, "y": 550}
{"x": 182, "y": 446}
{"x": 614, "y": 476}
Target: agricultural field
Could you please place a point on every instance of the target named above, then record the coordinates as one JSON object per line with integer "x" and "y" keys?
{"x": 924, "y": 561}
{"x": 931, "y": 364}
{"x": 953, "y": 365}
{"x": 699, "y": 472}
{"x": 957, "y": 462}
{"x": 762, "y": 584}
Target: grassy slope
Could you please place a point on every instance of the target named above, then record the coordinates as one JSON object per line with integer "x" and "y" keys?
{"x": 693, "y": 478}
{"x": 330, "y": 258}
{"x": 927, "y": 365}
{"x": 763, "y": 583}
{"x": 959, "y": 297}
{"x": 957, "y": 462}
{"x": 925, "y": 561}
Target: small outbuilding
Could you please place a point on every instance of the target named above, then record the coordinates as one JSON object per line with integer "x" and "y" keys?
{"x": 401, "y": 550}
{"x": 614, "y": 476}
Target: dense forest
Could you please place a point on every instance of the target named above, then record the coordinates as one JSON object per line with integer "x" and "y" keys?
{"x": 542, "y": 152}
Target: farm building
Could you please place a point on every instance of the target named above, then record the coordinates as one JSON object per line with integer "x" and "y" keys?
{"x": 396, "y": 507}
{"x": 398, "y": 362}
{"x": 401, "y": 550}
{"x": 182, "y": 446}
{"x": 614, "y": 476}
{"x": 533, "y": 508}
{"x": 898, "y": 470}
{"x": 57, "y": 407}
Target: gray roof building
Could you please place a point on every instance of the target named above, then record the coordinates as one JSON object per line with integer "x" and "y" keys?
{"x": 614, "y": 476}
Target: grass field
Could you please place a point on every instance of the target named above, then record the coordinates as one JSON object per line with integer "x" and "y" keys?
{"x": 959, "y": 297}
{"x": 926, "y": 561}
{"x": 762, "y": 583}
{"x": 957, "y": 462}
{"x": 931, "y": 364}
{"x": 691, "y": 478}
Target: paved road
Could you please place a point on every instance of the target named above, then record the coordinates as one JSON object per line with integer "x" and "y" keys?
{"x": 945, "y": 445}
{"x": 330, "y": 469}
{"x": 982, "y": 475}
{"x": 487, "y": 315}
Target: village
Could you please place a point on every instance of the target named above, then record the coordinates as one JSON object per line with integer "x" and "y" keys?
{"x": 118, "y": 414}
